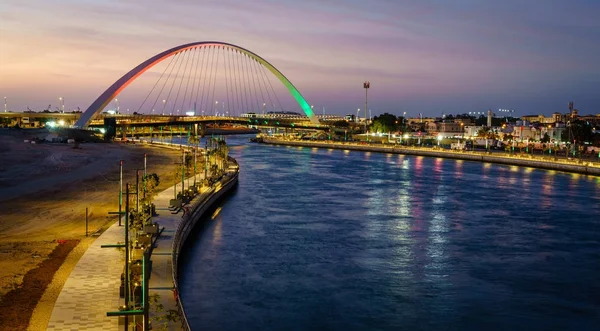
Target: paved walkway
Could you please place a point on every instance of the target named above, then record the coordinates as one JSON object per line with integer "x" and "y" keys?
{"x": 161, "y": 276}
{"x": 92, "y": 288}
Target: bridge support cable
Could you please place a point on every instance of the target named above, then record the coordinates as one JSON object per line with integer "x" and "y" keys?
{"x": 253, "y": 80}
{"x": 187, "y": 98}
{"x": 195, "y": 66}
{"x": 209, "y": 97}
{"x": 181, "y": 79}
{"x": 256, "y": 77}
{"x": 167, "y": 81}
{"x": 168, "y": 98}
{"x": 247, "y": 85}
{"x": 187, "y": 84}
{"x": 236, "y": 77}
{"x": 204, "y": 79}
{"x": 225, "y": 54}
{"x": 200, "y": 77}
{"x": 261, "y": 70}
{"x": 216, "y": 65}
{"x": 271, "y": 85}
{"x": 239, "y": 80}
{"x": 154, "y": 87}
{"x": 213, "y": 73}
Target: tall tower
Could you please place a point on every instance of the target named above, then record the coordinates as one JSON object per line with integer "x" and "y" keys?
{"x": 366, "y": 86}
{"x": 489, "y": 119}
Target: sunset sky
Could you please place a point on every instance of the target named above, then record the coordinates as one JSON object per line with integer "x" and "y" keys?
{"x": 427, "y": 56}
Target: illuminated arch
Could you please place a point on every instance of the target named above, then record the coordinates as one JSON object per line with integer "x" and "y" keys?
{"x": 108, "y": 95}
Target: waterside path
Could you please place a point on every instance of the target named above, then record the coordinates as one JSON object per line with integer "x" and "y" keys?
{"x": 558, "y": 163}
{"x": 92, "y": 288}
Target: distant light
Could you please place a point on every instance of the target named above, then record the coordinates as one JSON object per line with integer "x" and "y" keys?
{"x": 406, "y": 136}
{"x": 112, "y": 112}
{"x": 61, "y": 122}
{"x": 190, "y": 113}
{"x": 51, "y": 124}
{"x": 102, "y": 130}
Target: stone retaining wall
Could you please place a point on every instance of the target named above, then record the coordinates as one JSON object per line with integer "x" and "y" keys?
{"x": 198, "y": 207}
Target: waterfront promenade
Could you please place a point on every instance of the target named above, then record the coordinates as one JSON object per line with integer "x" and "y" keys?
{"x": 92, "y": 288}
{"x": 558, "y": 163}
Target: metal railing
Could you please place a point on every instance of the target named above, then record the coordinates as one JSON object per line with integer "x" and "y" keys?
{"x": 199, "y": 205}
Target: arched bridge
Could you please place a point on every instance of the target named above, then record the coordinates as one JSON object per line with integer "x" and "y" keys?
{"x": 110, "y": 94}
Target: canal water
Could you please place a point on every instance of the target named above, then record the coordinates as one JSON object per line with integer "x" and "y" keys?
{"x": 317, "y": 239}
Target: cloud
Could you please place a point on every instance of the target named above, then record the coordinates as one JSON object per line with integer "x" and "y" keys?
{"x": 429, "y": 47}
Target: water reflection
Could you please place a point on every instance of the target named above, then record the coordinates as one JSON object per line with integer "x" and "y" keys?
{"x": 320, "y": 240}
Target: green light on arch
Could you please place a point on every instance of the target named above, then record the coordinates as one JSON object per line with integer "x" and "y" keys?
{"x": 100, "y": 103}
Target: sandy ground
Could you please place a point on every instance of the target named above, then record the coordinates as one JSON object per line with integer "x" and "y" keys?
{"x": 44, "y": 192}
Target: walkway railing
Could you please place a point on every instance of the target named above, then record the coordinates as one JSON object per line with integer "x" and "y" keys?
{"x": 198, "y": 206}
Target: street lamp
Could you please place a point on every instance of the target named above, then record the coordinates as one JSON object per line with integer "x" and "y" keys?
{"x": 117, "y": 105}
{"x": 264, "y": 107}
{"x": 357, "y": 111}
{"x": 439, "y": 139}
{"x": 62, "y": 104}
{"x": 163, "y": 108}
{"x": 216, "y": 105}
{"x": 5, "y": 104}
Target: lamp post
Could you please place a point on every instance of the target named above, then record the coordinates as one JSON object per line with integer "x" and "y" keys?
{"x": 216, "y": 106}
{"x": 120, "y": 189}
{"x": 62, "y": 104}
{"x": 5, "y": 104}
{"x": 116, "y": 105}
{"x": 367, "y": 86}
{"x": 163, "y": 108}
{"x": 357, "y": 112}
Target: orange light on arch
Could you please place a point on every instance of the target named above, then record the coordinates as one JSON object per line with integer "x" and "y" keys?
{"x": 105, "y": 98}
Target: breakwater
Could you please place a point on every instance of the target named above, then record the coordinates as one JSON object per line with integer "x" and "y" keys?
{"x": 585, "y": 167}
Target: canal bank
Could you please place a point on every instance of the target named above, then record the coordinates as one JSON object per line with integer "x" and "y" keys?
{"x": 177, "y": 223}
{"x": 196, "y": 210}
{"x": 585, "y": 167}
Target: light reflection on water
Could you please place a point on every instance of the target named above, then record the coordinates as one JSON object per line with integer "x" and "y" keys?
{"x": 338, "y": 240}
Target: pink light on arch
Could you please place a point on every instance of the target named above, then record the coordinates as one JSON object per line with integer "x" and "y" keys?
{"x": 105, "y": 98}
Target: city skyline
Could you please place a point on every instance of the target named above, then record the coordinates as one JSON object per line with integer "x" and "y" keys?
{"x": 423, "y": 57}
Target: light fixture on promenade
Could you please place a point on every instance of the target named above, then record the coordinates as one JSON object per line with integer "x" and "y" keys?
{"x": 163, "y": 108}
{"x": 62, "y": 104}
{"x": 5, "y": 104}
{"x": 216, "y": 107}
{"x": 357, "y": 112}
{"x": 264, "y": 107}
